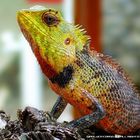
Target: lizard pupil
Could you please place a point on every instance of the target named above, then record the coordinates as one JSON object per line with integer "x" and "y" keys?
{"x": 50, "y": 19}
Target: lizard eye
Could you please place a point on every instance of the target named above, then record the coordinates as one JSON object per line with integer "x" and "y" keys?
{"x": 50, "y": 19}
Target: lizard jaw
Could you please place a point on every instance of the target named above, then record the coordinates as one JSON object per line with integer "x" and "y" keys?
{"x": 23, "y": 22}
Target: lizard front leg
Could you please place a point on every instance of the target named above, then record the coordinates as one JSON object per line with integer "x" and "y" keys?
{"x": 58, "y": 107}
{"x": 86, "y": 104}
{"x": 89, "y": 120}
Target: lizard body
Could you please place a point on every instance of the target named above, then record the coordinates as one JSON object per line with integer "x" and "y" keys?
{"x": 80, "y": 76}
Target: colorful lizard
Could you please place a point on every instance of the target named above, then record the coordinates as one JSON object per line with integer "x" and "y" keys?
{"x": 92, "y": 82}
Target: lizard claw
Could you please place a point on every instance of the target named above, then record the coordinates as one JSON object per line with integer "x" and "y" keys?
{"x": 50, "y": 116}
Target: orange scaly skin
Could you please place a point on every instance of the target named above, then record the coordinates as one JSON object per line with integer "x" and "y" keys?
{"x": 79, "y": 75}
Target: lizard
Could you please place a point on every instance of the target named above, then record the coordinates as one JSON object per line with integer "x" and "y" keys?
{"x": 92, "y": 82}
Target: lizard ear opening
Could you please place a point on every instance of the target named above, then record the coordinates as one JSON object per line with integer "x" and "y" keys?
{"x": 67, "y": 41}
{"x": 50, "y": 19}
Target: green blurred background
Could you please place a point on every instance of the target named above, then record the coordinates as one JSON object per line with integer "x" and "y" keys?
{"x": 21, "y": 81}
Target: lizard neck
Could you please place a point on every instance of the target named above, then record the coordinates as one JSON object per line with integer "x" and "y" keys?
{"x": 46, "y": 68}
{"x": 63, "y": 78}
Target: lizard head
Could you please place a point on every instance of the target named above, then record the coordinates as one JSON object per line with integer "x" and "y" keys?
{"x": 53, "y": 40}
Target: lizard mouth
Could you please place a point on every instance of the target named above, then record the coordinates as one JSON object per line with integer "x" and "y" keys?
{"x": 25, "y": 32}
{"x": 22, "y": 21}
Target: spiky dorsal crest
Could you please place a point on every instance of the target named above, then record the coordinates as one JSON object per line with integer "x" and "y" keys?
{"x": 81, "y": 33}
